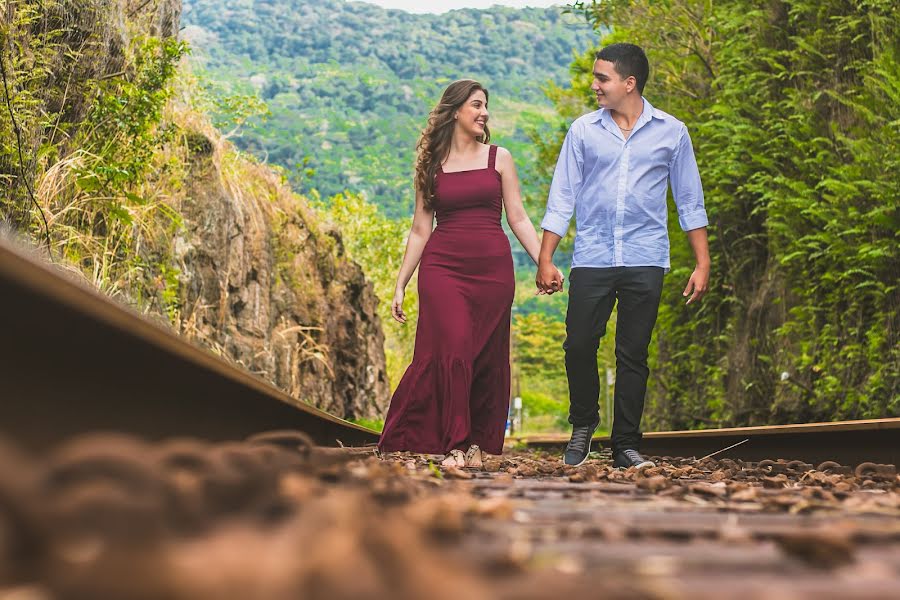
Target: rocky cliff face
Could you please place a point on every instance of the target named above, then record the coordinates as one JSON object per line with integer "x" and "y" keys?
{"x": 215, "y": 244}
{"x": 263, "y": 285}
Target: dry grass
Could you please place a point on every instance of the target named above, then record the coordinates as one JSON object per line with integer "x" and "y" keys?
{"x": 126, "y": 231}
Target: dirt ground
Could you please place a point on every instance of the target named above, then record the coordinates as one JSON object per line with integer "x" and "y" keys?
{"x": 109, "y": 516}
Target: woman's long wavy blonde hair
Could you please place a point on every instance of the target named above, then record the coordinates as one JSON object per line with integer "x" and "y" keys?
{"x": 434, "y": 145}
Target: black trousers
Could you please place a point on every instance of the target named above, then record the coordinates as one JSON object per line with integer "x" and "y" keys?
{"x": 592, "y": 294}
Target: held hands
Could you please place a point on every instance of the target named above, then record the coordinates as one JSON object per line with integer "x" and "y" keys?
{"x": 397, "y": 306}
{"x": 549, "y": 279}
{"x": 698, "y": 284}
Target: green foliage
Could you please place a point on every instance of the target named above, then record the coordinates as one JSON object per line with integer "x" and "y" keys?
{"x": 349, "y": 85}
{"x": 124, "y": 132}
{"x": 538, "y": 352}
{"x": 377, "y": 244}
{"x": 793, "y": 109}
{"x": 228, "y": 110}
{"x": 539, "y": 364}
{"x": 544, "y": 413}
{"x": 373, "y": 424}
{"x": 38, "y": 112}
{"x": 77, "y": 152}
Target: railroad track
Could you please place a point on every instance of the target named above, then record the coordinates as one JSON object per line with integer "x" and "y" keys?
{"x": 144, "y": 516}
{"x": 845, "y": 442}
{"x": 72, "y": 360}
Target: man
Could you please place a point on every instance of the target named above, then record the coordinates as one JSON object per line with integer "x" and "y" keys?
{"x": 613, "y": 172}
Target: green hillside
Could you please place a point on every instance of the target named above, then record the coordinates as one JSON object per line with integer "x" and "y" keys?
{"x": 348, "y": 85}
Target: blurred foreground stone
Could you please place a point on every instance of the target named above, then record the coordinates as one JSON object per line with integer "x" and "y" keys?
{"x": 109, "y": 516}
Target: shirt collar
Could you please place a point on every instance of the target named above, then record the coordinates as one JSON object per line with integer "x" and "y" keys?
{"x": 647, "y": 113}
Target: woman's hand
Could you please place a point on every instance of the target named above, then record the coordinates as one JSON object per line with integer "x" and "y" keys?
{"x": 560, "y": 278}
{"x": 397, "y": 306}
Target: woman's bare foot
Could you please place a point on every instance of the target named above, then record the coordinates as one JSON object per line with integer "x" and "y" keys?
{"x": 454, "y": 458}
{"x": 474, "y": 457}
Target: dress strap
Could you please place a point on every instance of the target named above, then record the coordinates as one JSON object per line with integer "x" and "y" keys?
{"x": 492, "y": 156}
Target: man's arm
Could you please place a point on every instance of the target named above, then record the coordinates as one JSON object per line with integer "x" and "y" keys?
{"x": 698, "y": 284}
{"x": 688, "y": 193}
{"x": 564, "y": 189}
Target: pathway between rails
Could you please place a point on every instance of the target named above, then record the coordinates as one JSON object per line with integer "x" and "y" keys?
{"x": 536, "y": 529}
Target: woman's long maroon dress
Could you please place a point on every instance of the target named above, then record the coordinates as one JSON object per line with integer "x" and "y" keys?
{"x": 456, "y": 391}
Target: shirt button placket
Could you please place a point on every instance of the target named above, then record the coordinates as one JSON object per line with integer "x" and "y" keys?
{"x": 620, "y": 206}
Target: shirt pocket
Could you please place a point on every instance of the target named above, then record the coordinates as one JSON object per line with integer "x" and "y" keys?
{"x": 647, "y": 250}
{"x": 647, "y": 208}
{"x": 592, "y": 248}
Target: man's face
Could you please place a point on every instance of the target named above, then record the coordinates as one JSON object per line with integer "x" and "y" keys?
{"x": 609, "y": 86}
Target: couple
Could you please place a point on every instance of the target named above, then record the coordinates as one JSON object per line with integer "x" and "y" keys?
{"x": 613, "y": 172}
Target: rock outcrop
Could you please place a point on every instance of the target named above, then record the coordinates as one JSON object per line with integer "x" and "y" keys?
{"x": 263, "y": 285}
{"x": 210, "y": 241}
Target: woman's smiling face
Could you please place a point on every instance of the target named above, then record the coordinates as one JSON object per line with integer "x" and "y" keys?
{"x": 472, "y": 116}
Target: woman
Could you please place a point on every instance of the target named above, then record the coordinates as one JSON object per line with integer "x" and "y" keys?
{"x": 454, "y": 397}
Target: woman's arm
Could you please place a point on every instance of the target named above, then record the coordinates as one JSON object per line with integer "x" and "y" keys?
{"x": 516, "y": 216}
{"x": 422, "y": 225}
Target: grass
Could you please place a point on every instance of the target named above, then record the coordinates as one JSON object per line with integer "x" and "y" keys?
{"x": 374, "y": 424}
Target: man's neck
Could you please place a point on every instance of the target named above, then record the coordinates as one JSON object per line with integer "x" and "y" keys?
{"x": 630, "y": 111}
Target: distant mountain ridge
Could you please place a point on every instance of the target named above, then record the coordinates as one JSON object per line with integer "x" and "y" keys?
{"x": 513, "y": 50}
{"x": 349, "y": 84}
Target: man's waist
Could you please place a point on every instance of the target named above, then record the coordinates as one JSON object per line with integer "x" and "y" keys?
{"x": 618, "y": 235}
{"x": 613, "y": 252}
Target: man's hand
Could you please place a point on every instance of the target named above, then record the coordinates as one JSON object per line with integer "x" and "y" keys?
{"x": 549, "y": 279}
{"x": 698, "y": 284}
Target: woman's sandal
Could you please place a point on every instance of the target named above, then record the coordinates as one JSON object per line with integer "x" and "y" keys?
{"x": 454, "y": 458}
{"x": 474, "y": 458}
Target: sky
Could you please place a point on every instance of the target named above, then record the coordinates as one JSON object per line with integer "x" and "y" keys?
{"x": 439, "y": 6}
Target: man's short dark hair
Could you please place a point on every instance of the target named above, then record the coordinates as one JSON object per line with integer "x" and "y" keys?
{"x": 628, "y": 60}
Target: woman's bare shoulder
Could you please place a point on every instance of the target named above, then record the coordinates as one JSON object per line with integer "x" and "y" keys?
{"x": 504, "y": 158}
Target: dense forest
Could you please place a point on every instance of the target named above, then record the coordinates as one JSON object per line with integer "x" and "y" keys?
{"x": 346, "y": 86}
{"x": 794, "y": 109}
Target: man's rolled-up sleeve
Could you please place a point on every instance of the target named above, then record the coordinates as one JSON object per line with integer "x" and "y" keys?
{"x": 566, "y": 185}
{"x": 687, "y": 190}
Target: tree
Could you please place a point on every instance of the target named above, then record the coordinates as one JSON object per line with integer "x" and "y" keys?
{"x": 793, "y": 110}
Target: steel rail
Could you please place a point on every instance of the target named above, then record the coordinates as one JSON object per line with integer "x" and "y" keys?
{"x": 73, "y": 360}
{"x": 845, "y": 442}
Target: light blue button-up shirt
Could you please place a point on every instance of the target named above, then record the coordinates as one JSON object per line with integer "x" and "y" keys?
{"x": 617, "y": 189}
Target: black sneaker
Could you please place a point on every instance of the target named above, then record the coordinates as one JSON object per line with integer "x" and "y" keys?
{"x": 580, "y": 445}
{"x": 631, "y": 458}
